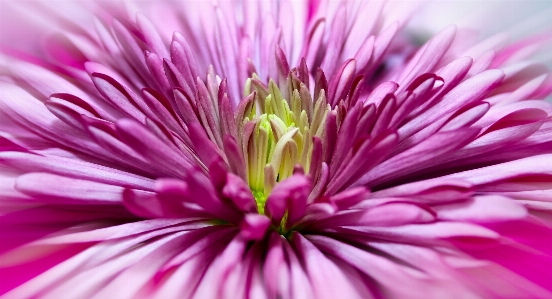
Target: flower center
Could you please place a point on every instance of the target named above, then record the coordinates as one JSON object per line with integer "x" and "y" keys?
{"x": 281, "y": 141}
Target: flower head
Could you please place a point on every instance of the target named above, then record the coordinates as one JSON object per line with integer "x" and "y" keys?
{"x": 272, "y": 149}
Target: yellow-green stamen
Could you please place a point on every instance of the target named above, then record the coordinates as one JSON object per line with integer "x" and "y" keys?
{"x": 282, "y": 138}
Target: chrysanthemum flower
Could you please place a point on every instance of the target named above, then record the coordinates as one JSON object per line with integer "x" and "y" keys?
{"x": 275, "y": 149}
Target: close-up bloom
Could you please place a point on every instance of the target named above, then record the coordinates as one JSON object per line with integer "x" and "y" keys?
{"x": 274, "y": 149}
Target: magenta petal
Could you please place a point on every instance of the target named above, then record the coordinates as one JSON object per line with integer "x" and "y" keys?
{"x": 321, "y": 269}
{"x": 337, "y": 36}
{"x": 239, "y": 193}
{"x": 386, "y": 215}
{"x": 63, "y": 190}
{"x": 466, "y": 93}
{"x": 341, "y": 81}
{"x": 151, "y": 147}
{"x": 254, "y": 226}
{"x": 282, "y": 64}
{"x": 234, "y": 155}
{"x": 483, "y": 209}
{"x": 382, "y": 42}
{"x": 133, "y": 48}
{"x": 359, "y": 167}
{"x": 159, "y": 108}
{"x": 350, "y": 197}
{"x": 380, "y": 92}
{"x": 317, "y": 211}
{"x": 344, "y": 139}
{"x": 427, "y": 233}
{"x": 74, "y": 169}
{"x": 217, "y": 174}
{"x": 217, "y": 273}
{"x": 380, "y": 269}
{"x": 385, "y": 112}
{"x": 104, "y": 135}
{"x": 437, "y": 191}
{"x": 466, "y": 118}
{"x": 142, "y": 204}
{"x": 289, "y": 196}
{"x": 428, "y": 55}
{"x": 170, "y": 200}
{"x": 155, "y": 67}
{"x": 275, "y": 263}
{"x": 117, "y": 95}
{"x": 147, "y": 267}
{"x": 75, "y": 103}
{"x": 199, "y": 241}
{"x": 364, "y": 53}
{"x": 226, "y": 115}
{"x": 204, "y": 147}
{"x": 531, "y": 167}
{"x": 203, "y": 193}
{"x": 66, "y": 114}
{"x": 120, "y": 231}
{"x": 183, "y": 58}
{"x": 415, "y": 158}
{"x": 153, "y": 40}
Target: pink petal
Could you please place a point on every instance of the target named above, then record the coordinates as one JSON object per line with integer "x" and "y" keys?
{"x": 63, "y": 190}
{"x": 254, "y": 226}
{"x": 482, "y": 209}
{"x": 74, "y": 169}
{"x": 467, "y": 92}
{"x": 288, "y": 196}
{"x": 430, "y": 191}
{"x": 415, "y": 158}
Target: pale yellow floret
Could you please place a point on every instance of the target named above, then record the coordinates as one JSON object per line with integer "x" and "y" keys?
{"x": 282, "y": 137}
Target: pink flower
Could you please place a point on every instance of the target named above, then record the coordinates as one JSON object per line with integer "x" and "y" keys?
{"x": 275, "y": 149}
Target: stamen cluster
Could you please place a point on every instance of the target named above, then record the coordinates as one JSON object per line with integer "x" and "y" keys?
{"x": 277, "y": 133}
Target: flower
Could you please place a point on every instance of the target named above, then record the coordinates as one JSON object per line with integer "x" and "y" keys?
{"x": 272, "y": 149}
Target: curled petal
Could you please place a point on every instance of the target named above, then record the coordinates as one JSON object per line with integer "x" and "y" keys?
{"x": 254, "y": 226}
{"x": 288, "y": 197}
